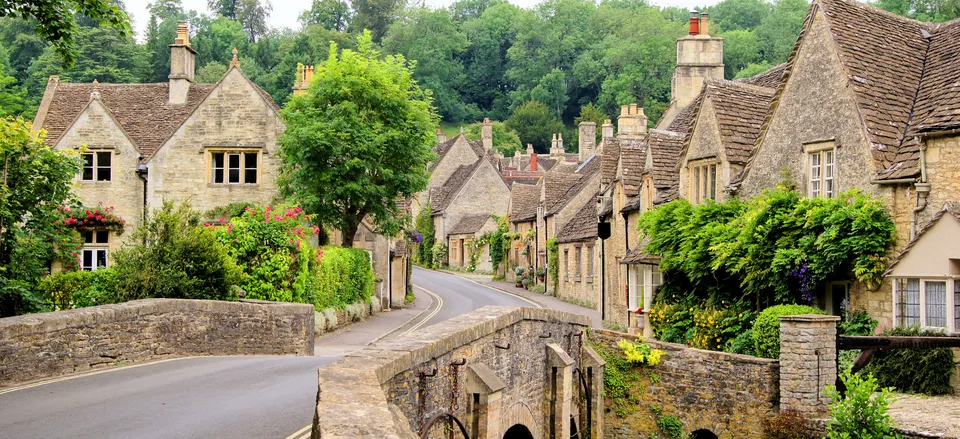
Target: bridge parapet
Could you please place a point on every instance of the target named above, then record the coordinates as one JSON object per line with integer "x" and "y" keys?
{"x": 491, "y": 369}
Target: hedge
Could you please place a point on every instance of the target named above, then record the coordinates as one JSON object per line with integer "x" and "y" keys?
{"x": 924, "y": 371}
{"x": 766, "y": 330}
{"x": 344, "y": 276}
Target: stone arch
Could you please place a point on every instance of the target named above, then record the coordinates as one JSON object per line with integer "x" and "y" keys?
{"x": 703, "y": 434}
{"x": 518, "y": 431}
{"x": 520, "y": 414}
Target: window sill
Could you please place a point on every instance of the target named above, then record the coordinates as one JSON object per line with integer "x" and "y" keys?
{"x": 231, "y": 185}
{"x": 589, "y": 279}
{"x": 96, "y": 181}
{"x": 576, "y": 278}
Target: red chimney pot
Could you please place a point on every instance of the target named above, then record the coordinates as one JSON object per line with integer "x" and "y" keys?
{"x": 533, "y": 162}
{"x": 694, "y": 26}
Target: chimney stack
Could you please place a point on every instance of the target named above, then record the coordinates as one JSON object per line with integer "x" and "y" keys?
{"x": 632, "y": 121}
{"x": 182, "y": 58}
{"x": 587, "y": 141}
{"x": 441, "y": 137}
{"x": 606, "y": 131}
{"x": 533, "y": 162}
{"x": 486, "y": 134}
{"x": 304, "y": 76}
{"x": 699, "y": 58}
{"x": 529, "y": 148}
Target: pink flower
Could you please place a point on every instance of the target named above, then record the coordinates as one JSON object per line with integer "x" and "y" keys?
{"x": 89, "y": 216}
{"x": 298, "y": 210}
{"x": 316, "y": 230}
{"x": 222, "y": 220}
{"x": 99, "y": 218}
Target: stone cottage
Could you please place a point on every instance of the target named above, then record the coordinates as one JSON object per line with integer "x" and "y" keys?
{"x": 145, "y": 144}
{"x": 523, "y": 217}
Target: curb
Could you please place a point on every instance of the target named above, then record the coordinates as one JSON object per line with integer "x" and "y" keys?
{"x": 427, "y": 308}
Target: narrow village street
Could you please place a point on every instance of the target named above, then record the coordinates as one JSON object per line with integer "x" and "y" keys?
{"x": 223, "y": 397}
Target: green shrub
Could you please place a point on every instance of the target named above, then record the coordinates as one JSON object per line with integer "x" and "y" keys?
{"x": 858, "y": 323}
{"x": 78, "y": 289}
{"x": 861, "y": 412}
{"x": 229, "y": 211}
{"x": 673, "y": 323}
{"x": 787, "y": 424}
{"x": 766, "y": 329}
{"x": 344, "y": 276}
{"x": 175, "y": 257}
{"x": 439, "y": 255}
{"x": 553, "y": 262}
{"x": 742, "y": 344}
{"x": 925, "y": 371}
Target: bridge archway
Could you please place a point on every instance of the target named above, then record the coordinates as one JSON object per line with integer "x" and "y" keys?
{"x": 703, "y": 434}
{"x": 518, "y": 431}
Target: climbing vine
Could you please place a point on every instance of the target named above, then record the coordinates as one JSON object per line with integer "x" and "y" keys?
{"x": 624, "y": 373}
{"x": 423, "y": 253}
{"x": 476, "y": 249}
{"x": 553, "y": 262}
{"x": 499, "y": 246}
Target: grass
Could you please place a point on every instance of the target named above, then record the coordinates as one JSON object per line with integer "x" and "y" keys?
{"x": 450, "y": 129}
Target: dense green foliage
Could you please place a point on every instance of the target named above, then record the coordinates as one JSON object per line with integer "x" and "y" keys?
{"x": 766, "y": 329}
{"x": 178, "y": 259}
{"x": 713, "y": 326}
{"x": 499, "y": 245}
{"x": 358, "y": 140}
{"x": 78, "y": 289}
{"x": 423, "y": 252}
{"x": 534, "y": 123}
{"x": 925, "y": 371}
{"x": 36, "y": 183}
{"x": 861, "y": 412}
{"x": 553, "y": 262}
{"x": 344, "y": 277}
{"x": 776, "y": 248}
{"x": 504, "y": 139}
{"x": 439, "y": 255}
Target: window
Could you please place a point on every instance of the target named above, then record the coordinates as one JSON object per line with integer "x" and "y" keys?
{"x": 643, "y": 281}
{"x": 633, "y": 287}
{"x": 589, "y": 264}
{"x": 822, "y": 172}
{"x": 96, "y": 166}
{"x": 234, "y": 167}
{"x": 579, "y": 262}
{"x": 936, "y": 301}
{"x": 956, "y": 305}
{"x": 908, "y": 302}
{"x": 94, "y": 253}
{"x": 566, "y": 264}
{"x": 704, "y": 182}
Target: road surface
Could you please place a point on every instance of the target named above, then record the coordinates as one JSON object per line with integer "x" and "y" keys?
{"x": 210, "y": 397}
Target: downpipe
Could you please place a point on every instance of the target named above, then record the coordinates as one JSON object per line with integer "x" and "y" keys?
{"x": 923, "y": 191}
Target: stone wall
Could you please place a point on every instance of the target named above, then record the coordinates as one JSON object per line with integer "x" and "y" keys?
{"x": 729, "y": 394}
{"x": 492, "y": 368}
{"x": 44, "y": 345}
{"x": 581, "y": 288}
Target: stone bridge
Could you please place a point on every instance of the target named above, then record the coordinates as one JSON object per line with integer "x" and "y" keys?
{"x": 497, "y": 372}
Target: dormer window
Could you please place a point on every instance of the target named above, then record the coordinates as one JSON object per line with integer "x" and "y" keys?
{"x": 821, "y": 169}
{"x": 703, "y": 179}
{"x": 96, "y": 166}
{"x": 228, "y": 167}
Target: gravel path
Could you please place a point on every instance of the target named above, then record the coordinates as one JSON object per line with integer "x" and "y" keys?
{"x": 929, "y": 414}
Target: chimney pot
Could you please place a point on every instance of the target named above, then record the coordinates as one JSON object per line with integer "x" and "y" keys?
{"x": 633, "y": 109}
{"x": 182, "y": 69}
{"x": 694, "y": 22}
{"x": 533, "y": 162}
{"x": 704, "y": 28}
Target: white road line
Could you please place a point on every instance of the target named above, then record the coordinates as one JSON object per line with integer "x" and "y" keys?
{"x": 299, "y": 433}
{"x": 81, "y": 375}
{"x": 429, "y": 316}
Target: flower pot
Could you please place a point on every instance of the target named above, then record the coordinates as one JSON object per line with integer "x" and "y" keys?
{"x": 540, "y": 278}
{"x": 519, "y": 284}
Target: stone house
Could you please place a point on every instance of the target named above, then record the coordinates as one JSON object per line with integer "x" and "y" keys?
{"x": 212, "y": 144}
{"x": 869, "y": 102}
{"x": 579, "y": 265}
{"x": 460, "y": 237}
{"x": 523, "y": 217}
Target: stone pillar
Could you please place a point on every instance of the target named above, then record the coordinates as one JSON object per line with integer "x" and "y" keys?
{"x": 593, "y": 366}
{"x": 559, "y": 392}
{"x": 808, "y": 362}
{"x": 484, "y": 391}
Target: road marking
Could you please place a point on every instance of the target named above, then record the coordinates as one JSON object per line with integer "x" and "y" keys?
{"x": 299, "y": 433}
{"x": 535, "y": 304}
{"x": 429, "y": 316}
{"x": 81, "y": 375}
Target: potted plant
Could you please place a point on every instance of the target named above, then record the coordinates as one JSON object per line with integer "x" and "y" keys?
{"x": 527, "y": 281}
{"x": 519, "y": 271}
{"x": 541, "y": 274}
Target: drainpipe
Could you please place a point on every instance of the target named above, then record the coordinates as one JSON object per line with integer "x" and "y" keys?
{"x": 390, "y": 255}
{"x": 923, "y": 191}
{"x": 626, "y": 244}
{"x": 142, "y": 172}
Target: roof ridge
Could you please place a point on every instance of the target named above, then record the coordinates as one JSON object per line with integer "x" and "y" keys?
{"x": 741, "y": 85}
{"x": 876, "y": 9}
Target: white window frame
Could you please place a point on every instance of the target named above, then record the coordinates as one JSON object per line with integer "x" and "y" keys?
{"x": 95, "y": 248}
{"x": 590, "y": 263}
{"x": 643, "y": 280}
{"x": 96, "y": 166}
{"x": 578, "y": 255}
{"x": 820, "y": 164}
{"x": 952, "y": 283}
{"x": 241, "y": 167}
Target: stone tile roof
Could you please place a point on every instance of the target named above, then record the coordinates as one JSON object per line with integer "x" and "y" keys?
{"x": 938, "y": 102}
{"x": 639, "y": 255}
{"x": 469, "y": 224}
{"x": 664, "y": 148}
{"x": 582, "y": 227}
{"x": 740, "y": 110}
{"x": 950, "y": 207}
{"x": 440, "y": 197}
{"x": 524, "y": 199}
{"x": 142, "y": 110}
{"x": 443, "y": 148}
{"x": 684, "y": 120}
{"x": 632, "y": 204}
{"x": 633, "y": 157}
{"x": 667, "y": 195}
{"x": 610, "y": 157}
{"x": 769, "y": 79}
{"x": 584, "y": 174}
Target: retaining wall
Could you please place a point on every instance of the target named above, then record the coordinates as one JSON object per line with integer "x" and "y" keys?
{"x": 44, "y": 345}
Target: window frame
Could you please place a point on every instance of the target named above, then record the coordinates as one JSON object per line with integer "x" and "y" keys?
{"x": 703, "y": 180}
{"x": 825, "y": 180}
{"x": 242, "y": 170}
{"x": 951, "y": 307}
{"x": 95, "y": 167}
{"x": 578, "y": 255}
{"x": 94, "y": 246}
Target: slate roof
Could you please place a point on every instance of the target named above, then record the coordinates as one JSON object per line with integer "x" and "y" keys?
{"x": 609, "y": 158}
{"x": 633, "y": 156}
{"x": 585, "y": 173}
{"x": 950, "y": 207}
{"x": 740, "y": 110}
{"x": 639, "y": 255}
{"x": 142, "y": 110}
{"x": 665, "y": 149}
{"x": 938, "y": 102}
{"x": 469, "y": 224}
{"x": 582, "y": 227}
{"x": 524, "y": 199}
{"x": 440, "y": 197}
{"x": 443, "y": 148}
{"x": 769, "y": 79}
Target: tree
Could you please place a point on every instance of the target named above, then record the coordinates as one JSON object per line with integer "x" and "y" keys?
{"x": 504, "y": 139}
{"x": 740, "y": 49}
{"x": 161, "y": 31}
{"x": 36, "y": 181}
{"x": 375, "y": 16}
{"x": 252, "y": 14}
{"x": 216, "y": 40}
{"x": 753, "y": 70}
{"x": 489, "y": 39}
{"x": 464, "y": 10}
{"x": 535, "y": 124}
{"x": 12, "y": 97}
{"x": 552, "y": 91}
{"x": 590, "y": 113}
{"x": 731, "y": 15}
{"x": 330, "y": 14}
{"x": 224, "y": 8}
{"x": 360, "y": 138}
{"x": 923, "y": 10}
{"x": 777, "y": 34}
{"x": 210, "y": 73}
{"x": 56, "y": 20}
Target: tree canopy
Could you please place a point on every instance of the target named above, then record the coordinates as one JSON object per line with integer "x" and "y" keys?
{"x": 358, "y": 139}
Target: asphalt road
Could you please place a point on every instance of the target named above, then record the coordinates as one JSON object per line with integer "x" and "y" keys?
{"x": 210, "y": 397}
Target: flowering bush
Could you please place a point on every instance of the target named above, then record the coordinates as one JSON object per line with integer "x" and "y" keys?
{"x": 98, "y": 218}
{"x": 672, "y": 323}
{"x": 640, "y": 354}
{"x": 714, "y": 328}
